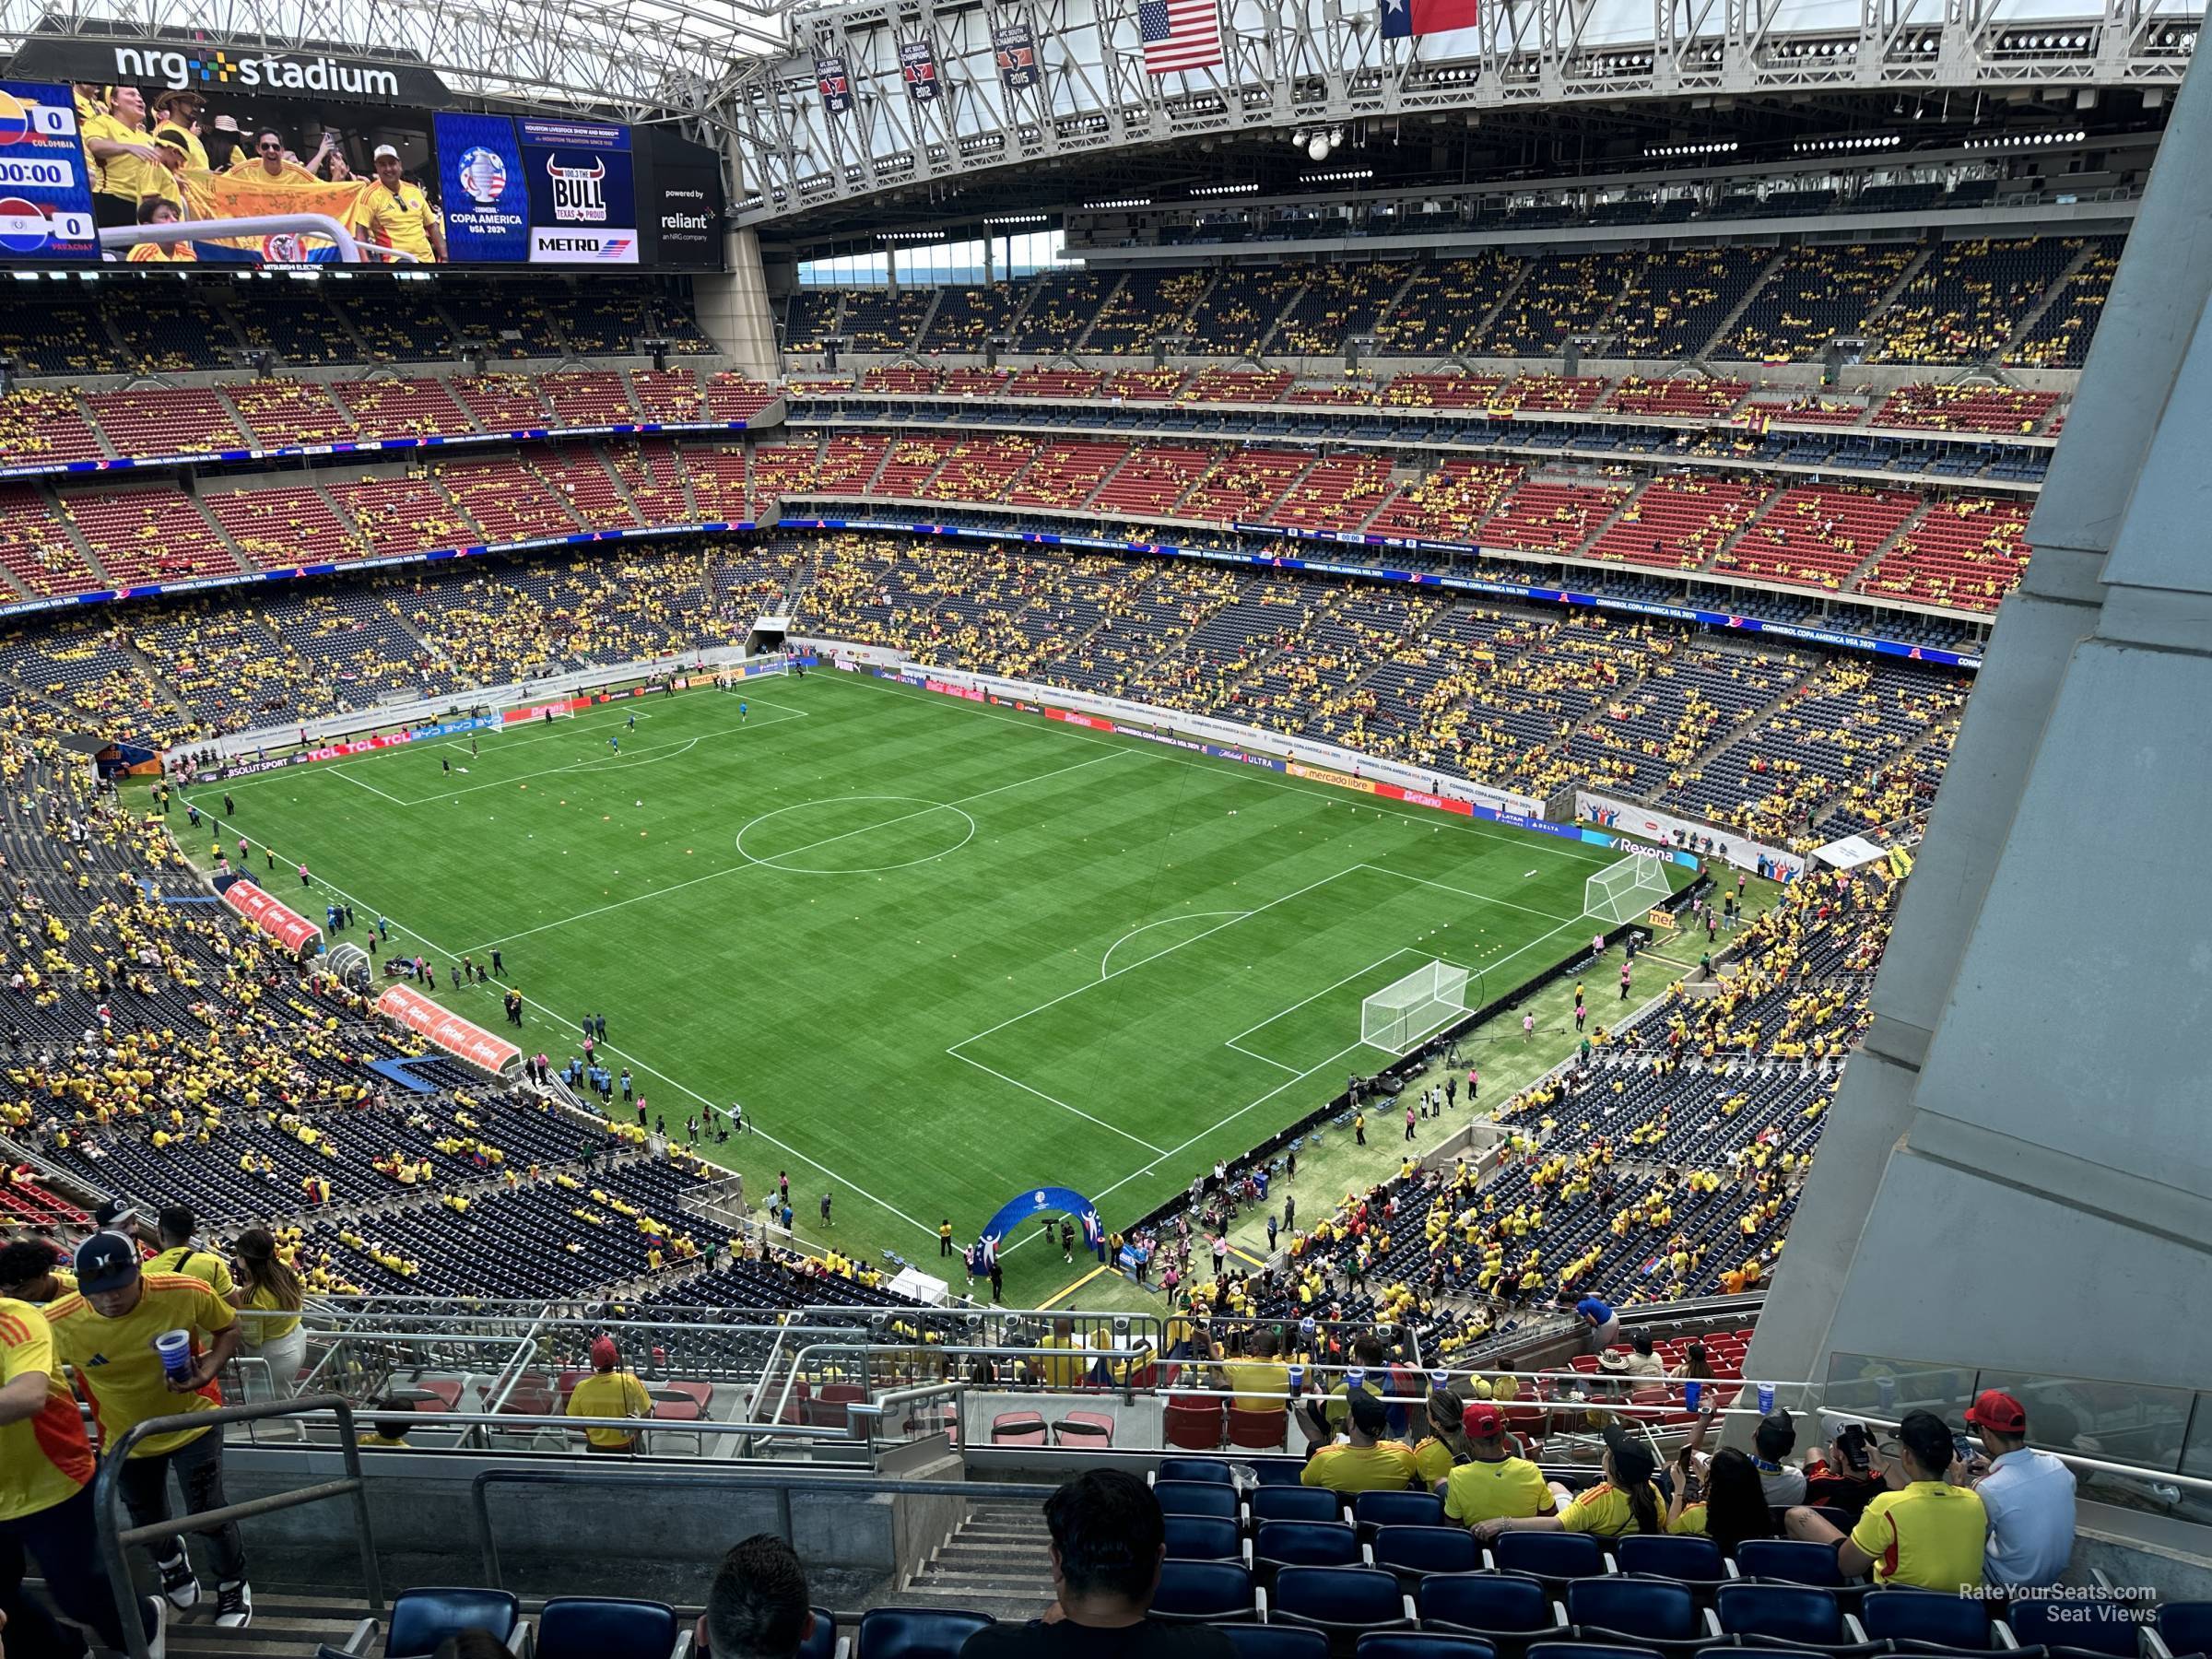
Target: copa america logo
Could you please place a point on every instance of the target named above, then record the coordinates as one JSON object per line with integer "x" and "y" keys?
{"x": 484, "y": 176}
{"x": 579, "y": 192}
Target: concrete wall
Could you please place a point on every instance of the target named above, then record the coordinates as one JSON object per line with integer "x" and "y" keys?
{"x": 734, "y": 308}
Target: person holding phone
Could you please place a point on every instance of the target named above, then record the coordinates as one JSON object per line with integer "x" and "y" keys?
{"x": 1922, "y": 1531}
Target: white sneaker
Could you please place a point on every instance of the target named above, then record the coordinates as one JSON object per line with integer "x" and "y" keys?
{"x": 179, "y": 1582}
{"x": 234, "y": 1604}
{"x": 157, "y": 1645}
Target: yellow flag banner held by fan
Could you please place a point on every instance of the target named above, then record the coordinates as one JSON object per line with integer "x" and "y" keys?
{"x": 255, "y": 195}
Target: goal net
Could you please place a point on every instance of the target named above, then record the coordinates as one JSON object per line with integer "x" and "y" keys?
{"x": 1398, "y": 1017}
{"x": 1627, "y": 891}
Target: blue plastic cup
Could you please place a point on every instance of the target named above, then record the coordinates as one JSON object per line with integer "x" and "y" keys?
{"x": 175, "y": 1348}
{"x": 1766, "y": 1399}
{"x": 1297, "y": 1380}
{"x": 1691, "y": 1389}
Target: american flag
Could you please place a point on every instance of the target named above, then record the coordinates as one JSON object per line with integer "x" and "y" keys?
{"x": 1180, "y": 34}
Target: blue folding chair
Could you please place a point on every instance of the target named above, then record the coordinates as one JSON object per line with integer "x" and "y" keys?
{"x": 1651, "y": 1613}
{"x": 1415, "y": 1552}
{"x": 1927, "y": 1617}
{"x": 1275, "y": 1641}
{"x": 1340, "y": 1602}
{"x": 1280, "y": 1544}
{"x": 1421, "y": 1644}
{"x": 1790, "y": 1562}
{"x": 1205, "y": 1593}
{"x": 596, "y": 1627}
{"x": 1196, "y": 1498}
{"x": 1782, "y": 1615}
{"x": 1203, "y": 1539}
{"x": 1507, "y": 1610}
{"x": 1372, "y": 1511}
{"x": 1210, "y": 1469}
{"x": 1294, "y": 1503}
{"x": 1681, "y": 1555}
{"x": 1557, "y": 1558}
{"x": 916, "y": 1633}
{"x": 422, "y": 1618}
{"x": 2074, "y": 1624}
{"x": 2181, "y": 1628}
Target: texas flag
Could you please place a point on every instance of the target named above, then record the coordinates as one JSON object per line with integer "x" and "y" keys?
{"x": 1403, "y": 18}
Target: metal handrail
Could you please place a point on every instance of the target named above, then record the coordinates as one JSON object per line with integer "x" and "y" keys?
{"x": 114, "y": 1537}
{"x": 660, "y": 1483}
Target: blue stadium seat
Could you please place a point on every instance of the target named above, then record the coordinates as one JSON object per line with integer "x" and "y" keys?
{"x": 821, "y": 1640}
{"x": 1789, "y": 1562}
{"x": 1506, "y": 1609}
{"x": 1421, "y": 1644}
{"x": 1205, "y": 1593}
{"x": 1196, "y": 1498}
{"x": 2074, "y": 1623}
{"x": 1585, "y": 1650}
{"x": 1341, "y": 1602}
{"x": 1204, "y": 1538}
{"x": 1685, "y": 1556}
{"x": 423, "y": 1618}
{"x": 1790, "y": 1615}
{"x": 1279, "y": 1471}
{"x": 1653, "y": 1613}
{"x": 916, "y": 1633}
{"x": 1294, "y": 1503}
{"x": 1554, "y": 1557}
{"x": 1927, "y": 1617}
{"x": 1373, "y": 1509}
{"x": 2181, "y": 1628}
{"x": 1194, "y": 1468}
{"x": 1415, "y": 1552}
{"x": 1279, "y": 1543}
{"x": 594, "y": 1626}
{"x": 1275, "y": 1641}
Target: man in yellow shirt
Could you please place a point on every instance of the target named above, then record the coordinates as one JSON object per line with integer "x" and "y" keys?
{"x": 176, "y": 1224}
{"x": 1366, "y": 1463}
{"x": 609, "y": 1391}
{"x": 106, "y": 1332}
{"x": 177, "y": 118}
{"x": 1260, "y": 1382}
{"x": 46, "y": 1487}
{"x": 396, "y": 214}
{"x": 1922, "y": 1531}
{"x": 1495, "y": 1484}
{"x": 116, "y": 142}
{"x": 29, "y": 1273}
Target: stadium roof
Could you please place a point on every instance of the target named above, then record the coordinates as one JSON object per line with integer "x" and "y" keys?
{"x": 646, "y": 58}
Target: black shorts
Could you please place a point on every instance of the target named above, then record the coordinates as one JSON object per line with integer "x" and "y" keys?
{"x": 111, "y": 210}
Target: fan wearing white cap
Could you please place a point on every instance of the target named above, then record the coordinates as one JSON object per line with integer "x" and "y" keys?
{"x": 396, "y": 214}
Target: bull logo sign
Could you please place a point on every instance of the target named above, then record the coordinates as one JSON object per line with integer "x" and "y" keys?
{"x": 579, "y": 192}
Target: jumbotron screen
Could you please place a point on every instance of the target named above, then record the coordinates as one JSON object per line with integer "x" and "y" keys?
{"x": 251, "y": 157}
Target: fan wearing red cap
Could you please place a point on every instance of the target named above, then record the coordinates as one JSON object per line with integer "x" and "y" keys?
{"x": 2029, "y": 1495}
{"x": 1492, "y": 1485}
{"x": 609, "y": 1391}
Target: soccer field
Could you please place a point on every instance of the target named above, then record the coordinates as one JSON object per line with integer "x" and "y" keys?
{"x": 943, "y": 953}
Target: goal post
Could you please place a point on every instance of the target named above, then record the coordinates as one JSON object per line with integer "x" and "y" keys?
{"x": 1399, "y": 1016}
{"x": 1626, "y": 891}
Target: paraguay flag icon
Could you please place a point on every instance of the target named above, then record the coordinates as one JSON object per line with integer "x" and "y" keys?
{"x": 24, "y": 226}
{"x": 15, "y": 118}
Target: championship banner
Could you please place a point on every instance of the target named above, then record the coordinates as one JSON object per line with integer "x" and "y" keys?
{"x": 442, "y": 1029}
{"x": 287, "y": 927}
{"x": 1015, "y": 46}
{"x": 918, "y": 68}
{"x": 835, "y": 82}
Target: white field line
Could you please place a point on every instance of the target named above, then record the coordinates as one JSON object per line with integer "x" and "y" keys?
{"x": 339, "y": 771}
{"x": 1466, "y": 893}
{"x": 1064, "y": 1106}
{"x": 1147, "y": 927}
{"x": 748, "y": 863}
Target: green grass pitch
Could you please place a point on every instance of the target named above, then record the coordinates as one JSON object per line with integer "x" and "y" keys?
{"x": 942, "y": 952}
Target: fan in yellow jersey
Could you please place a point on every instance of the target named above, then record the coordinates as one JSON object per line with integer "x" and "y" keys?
{"x": 179, "y": 251}
{"x": 116, "y": 142}
{"x": 396, "y": 214}
{"x": 1366, "y": 1463}
{"x": 106, "y": 1332}
{"x": 1492, "y": 1485}
{"x": 46, "y": 1493}
{"x": 609, "y": 1391}
{"x": 1627, "y": 1502}
{"x": 29, "y": 1272}
{"x": 176, "y": 1225}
